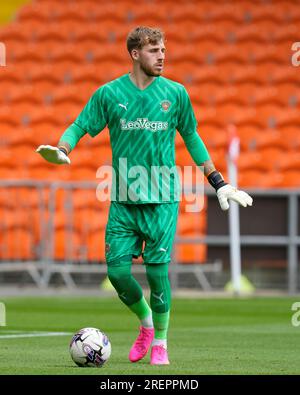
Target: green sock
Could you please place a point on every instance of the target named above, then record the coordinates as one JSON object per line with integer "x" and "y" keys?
{"x": 160, "y": 298}
{"x": 161, "y": 324}
{"x": 142, "y": 310}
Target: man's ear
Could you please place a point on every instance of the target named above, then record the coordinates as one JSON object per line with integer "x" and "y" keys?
{"x": 135, "y": 54}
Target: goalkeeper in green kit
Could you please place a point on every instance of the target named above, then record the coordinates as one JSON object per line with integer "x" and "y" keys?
{"x": 143, "y": 110}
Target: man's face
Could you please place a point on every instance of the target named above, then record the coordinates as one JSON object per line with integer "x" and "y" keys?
{"x": 151, "y": 58}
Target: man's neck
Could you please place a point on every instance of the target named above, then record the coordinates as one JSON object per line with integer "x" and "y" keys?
{"x": 140, "y": 79}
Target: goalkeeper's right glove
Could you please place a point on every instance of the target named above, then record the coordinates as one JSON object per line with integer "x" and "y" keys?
{"x": 53, "y": 154}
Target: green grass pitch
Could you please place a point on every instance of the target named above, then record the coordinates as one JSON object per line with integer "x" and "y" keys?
{"x": 207, "y": 336}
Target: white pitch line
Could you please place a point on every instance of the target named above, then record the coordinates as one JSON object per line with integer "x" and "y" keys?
{"x": 41, "y": 334}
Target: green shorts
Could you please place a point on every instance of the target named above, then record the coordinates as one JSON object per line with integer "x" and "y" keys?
{"x": 135, "y": 229}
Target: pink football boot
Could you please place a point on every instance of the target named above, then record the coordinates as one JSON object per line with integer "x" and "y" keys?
{"x": 142, "y": 344}
{"x": 159, "y": 356}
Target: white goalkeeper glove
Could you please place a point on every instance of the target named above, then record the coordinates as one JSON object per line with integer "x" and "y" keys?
{"x": 53, "y": 155}
{"x": 228, "y": 192}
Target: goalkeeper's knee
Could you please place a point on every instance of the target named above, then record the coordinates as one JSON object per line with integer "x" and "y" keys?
{"x": 119, "y": 274}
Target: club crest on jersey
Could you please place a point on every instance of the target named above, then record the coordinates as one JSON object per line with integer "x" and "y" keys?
{"x": 165, "y": 105}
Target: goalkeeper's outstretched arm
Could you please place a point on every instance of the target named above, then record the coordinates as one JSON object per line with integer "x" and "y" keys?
{"x": 225, "y": 191}
{"x": 59, "y": 155}
{"x": 92, "y": 120}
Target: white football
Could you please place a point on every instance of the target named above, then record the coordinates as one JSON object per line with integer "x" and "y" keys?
{"x": 90, "y": 347}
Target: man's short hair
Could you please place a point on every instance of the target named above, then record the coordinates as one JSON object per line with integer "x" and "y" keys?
{"x": 142, "y": 35}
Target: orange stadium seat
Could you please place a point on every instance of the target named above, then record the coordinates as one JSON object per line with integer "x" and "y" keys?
{"x": 25, "y": 94}
{"x": 53, "y": 32}
{"x": 290, "y": 162}
{"x": 46, "y": 73}
{"x": 230, "y": 95}
{"x": 258, "y": 179}
{"x": 287, "y": 11}
{"x": 289, "y": 94}
{"x": 267, "y": 113}
{"x": 96, "y": 246}
{"x": 148, "y": 15}
{"x": 288, "y": 117}
{"x": 217, "y": 140}
{"x": 87, "y": 73}
{"x": 228, "y": 112}
{"x": 203, "y": 9}
{"x": 69, "y": 12}
{"x": 177, "y": 14}
{"x": 82, "y": 174}
{"x": 12, "y": 35}
{"x": 265, "y": 12}
{"x": 210, "y": 74}
{"x": 74, "y": 32}
{"x": 267, "y": 95}
{"x": 30, "y": 30}
{"x": 35, "y": 12}
{"x": 23, "y": 113}
{"x": 248, "y": 74}
{"x": 286, "y": 74}
{"x": 252, "y": 160}
{"x": 290, "y": 137}
{"x": 25, "y": 52}
{"x": 70, "y": 52}
{"x": 235, "y": 53}
{"x": 83, "y": 12}
{"x": 290, "y": 179}
{"x": 85, "y": 199}
{"x": 197, "y": 96}
{"x": 66, "y": 245}
{"x": 206, "y": 93}
{"x": 224, "y": 30}
{"x": 8, "y": 172}
{"x": 191, "y": 223}
{"x": 67, "y": 94}
{"x": 10, "y": 74}
{"x": 17, "y": 245}
{"x": 273, "y": 157}
{"x": 7, "y": 118}
{"x": 89, "y": 220}
{"x": 287, "y": 33}
{"x": 46, "y": 171}
{"x": 23, "y": 138}
{"x": 275, "y": 53}
{"x": 247, "y": 117}
{"x": 183, "y": 157}
{"x": 253, "y": 137}
{"x": 226, "y": 11}
{"x": 190, "y": 253}
{"x": 247, "y": 91}
{"x": 250, "y": 33}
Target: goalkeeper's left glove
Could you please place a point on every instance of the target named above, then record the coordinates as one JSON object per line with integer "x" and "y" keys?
{"x": 54, "y": 155}
{"x": 227, "y": 192}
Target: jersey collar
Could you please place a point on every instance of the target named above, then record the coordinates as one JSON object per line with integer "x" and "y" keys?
{"x": 153, "y": 83}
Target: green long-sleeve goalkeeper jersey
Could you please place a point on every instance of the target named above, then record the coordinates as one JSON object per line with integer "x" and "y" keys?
{"x": 142, "y": 126}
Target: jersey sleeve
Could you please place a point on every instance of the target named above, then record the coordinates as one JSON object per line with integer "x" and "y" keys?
{"x": 187, "y": 123}
{"x": 93, "y": 118}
